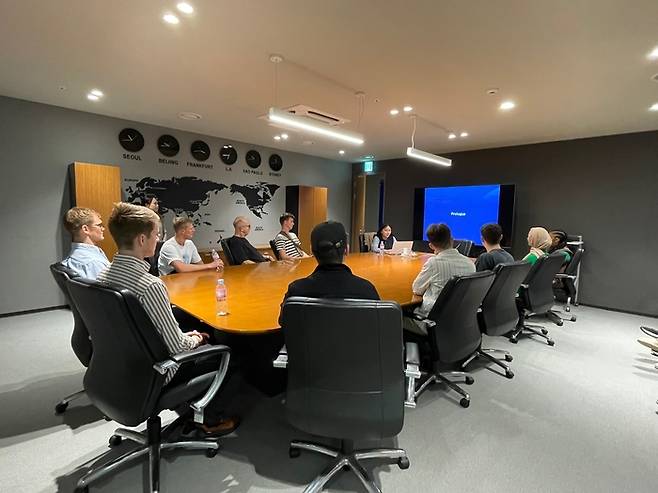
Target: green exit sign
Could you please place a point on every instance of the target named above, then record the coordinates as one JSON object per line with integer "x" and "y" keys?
{"x": 368, "y": 166}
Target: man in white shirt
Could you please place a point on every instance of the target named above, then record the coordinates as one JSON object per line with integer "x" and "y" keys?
{"x": 87, "y": 230}
{"x": 179, "y": 254}
{"x": 286, "y": 241}
{"x": 437, "y": 271}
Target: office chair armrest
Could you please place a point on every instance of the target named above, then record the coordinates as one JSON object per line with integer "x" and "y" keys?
{"x": 282, "y": 359}
{"x": 200, "y": 353}
{"x": 565, "y": 276}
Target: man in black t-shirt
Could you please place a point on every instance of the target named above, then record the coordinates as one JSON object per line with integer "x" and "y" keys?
{"x": 492, "y": 235}
{"x": 244, "y": 252}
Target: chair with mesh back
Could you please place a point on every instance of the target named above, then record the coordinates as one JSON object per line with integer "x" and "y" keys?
{"x": 463, "y": 246}
{"x": 565, "y": 286}
{"x": 227, "y": 252}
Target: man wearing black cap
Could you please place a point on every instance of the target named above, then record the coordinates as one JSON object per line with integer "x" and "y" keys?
{"x": 331, "y": 278}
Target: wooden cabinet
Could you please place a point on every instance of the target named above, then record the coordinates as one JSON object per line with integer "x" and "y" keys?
{"x": 309, "y": 205}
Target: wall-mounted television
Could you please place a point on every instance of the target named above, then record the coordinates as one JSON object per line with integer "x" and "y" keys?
{"x": 465, "y": 209}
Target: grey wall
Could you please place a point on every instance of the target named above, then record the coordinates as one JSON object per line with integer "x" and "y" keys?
{"x": 602, "y": 188}
{"x": 38, "y": 143}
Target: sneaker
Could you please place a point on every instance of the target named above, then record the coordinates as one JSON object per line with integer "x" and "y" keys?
{"x": 650, "y": 343}
{"x": 650, "y": 331}
{"x": 224, "y": 426}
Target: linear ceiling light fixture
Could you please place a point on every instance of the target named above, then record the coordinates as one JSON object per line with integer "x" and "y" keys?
{"x": 282, "y": 117}
{"x": 422, "y": 155}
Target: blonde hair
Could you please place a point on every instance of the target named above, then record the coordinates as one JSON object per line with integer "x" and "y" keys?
{"x": 127, "y": 221}
{"x": 238, "y": 220}
{"x": 180, "y": 222}
{"x": 77, "y": 217}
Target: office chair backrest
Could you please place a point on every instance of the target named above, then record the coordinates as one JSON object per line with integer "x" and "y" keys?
{"x": 345, "y": 367}
{"x": 154, "y": 260}
{"x": 457, "y": 334}
{"x": 227, "y": 252}
{"x": 463, "y": 246}
{"x": 421, "y": 246}
{"x": 80, "y": 336}
{"x": 120, "y": 380}
{"x": 572, "y": 268}
{"x": 275, "y": 250}
{"x": 538, "y": 296}
{"x": 499, "y": 313}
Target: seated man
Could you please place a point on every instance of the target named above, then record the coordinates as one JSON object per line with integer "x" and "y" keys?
{"x": 492, "y": 235}
{"x": 286, "y": 241}
{"x": 179, "y": 254}
{"x": 87, "y": 230}
{"x": 331, "y": 278}
{"x": 437, "y": 271}
{"x": 244, "y": 252}
{"x": 135, "y": 231}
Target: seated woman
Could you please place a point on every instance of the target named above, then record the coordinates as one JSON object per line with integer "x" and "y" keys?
{"x": 539, "y": 242}
{"x": 559, "y": 245}
{"x": 383, "y": 239}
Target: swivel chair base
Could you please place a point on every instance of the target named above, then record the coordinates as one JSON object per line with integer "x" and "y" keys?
{"x": 533, "y": 329}
{"x": 151, "y": 444}
{"x": 62, "y": 405}
{"x": 484, "y": 354}
{"x": 347, "y": 458}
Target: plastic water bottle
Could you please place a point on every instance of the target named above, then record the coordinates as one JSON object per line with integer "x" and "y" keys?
{"x": 215, "y": 256}
{"x": 221, "y": 295}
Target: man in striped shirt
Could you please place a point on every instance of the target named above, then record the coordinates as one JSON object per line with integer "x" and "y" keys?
{"x": 286, "y": 241}
{"x": 135, "y": 231}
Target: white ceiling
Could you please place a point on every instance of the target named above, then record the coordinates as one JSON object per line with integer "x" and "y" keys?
{"x": 576, "y": 68}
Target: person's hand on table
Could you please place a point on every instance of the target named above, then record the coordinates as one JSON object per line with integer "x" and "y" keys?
{"x": 216, "y": 264}
{"x": 416, "y": 298}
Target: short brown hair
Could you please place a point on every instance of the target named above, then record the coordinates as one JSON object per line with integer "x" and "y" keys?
{"x": 439, "y": 235}
{"x": 180, "y": 222}
{"x": 492, "y": 233}
{"x": 127, "y": 221}
{"x": 77, "y": 217}
{"x": 285, "y": 216}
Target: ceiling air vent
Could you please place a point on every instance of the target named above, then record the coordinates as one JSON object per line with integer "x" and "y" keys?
{"x": 317, "y": 115}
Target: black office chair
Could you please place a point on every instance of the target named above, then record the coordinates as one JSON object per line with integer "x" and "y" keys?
{"x": 227, "y": 252}
{"x": 345, "y": 379}
{"x": 126, "y": 377}
{"x": 80, "y": 341}
{"x": 453, "y": 332}
{"x": 275, "y": 250}
{"x": 536, "y": 297}
{"x": 153, "y": 261}
{"x": 498, "y": 314}
{"x": 565, "y": 285}
{"x": 463, "y": 246}
{"x": 421, "y": 246}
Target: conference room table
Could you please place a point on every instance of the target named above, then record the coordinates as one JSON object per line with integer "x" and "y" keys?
{"x": 255, "y": 291}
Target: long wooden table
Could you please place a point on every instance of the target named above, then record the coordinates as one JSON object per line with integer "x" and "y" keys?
{"x": 255, "y": 291}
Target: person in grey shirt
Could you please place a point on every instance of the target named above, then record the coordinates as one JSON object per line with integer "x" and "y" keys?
{"x": 435, "y": 274}
{"x": 87, "y": 231}
{"x": 492, "y": 235}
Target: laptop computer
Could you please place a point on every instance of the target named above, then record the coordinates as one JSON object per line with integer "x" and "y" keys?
{"x": 399, "y": 246}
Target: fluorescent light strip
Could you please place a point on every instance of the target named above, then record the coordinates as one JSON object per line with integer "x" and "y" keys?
{"x": 426, "y": 156}
{"x": 285, "y": 118}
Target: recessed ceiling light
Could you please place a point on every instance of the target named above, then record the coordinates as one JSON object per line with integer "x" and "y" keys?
{"x": 96, "y": 92}
{"x": 463, "y": 134}
{"x": 188, "y": 115}
{"x": 170, "y": 18}
{"x": 492, "y": 91}
{"x": 185, "y": 8}
{"x": 452, "y": 136}
{"x": 284, "y": 136}
{"x": 653, "y": 107}
{"x": 654, "y": 54}
{"x": 277, "y": 137}
{"x": 369, "y": 157}
{"x": 407, "y": 108}
{"x": 341, "y": 152}
{"x": 394, "y": 112}
{"x": 507, "y": 105}
{"x": 92, "y": 97}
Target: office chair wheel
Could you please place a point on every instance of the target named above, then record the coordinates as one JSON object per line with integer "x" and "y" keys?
{"x": 544, "y": 331}
{"x": 509, "y": 374}
{"x": 61, "y": 407}
{"x": 509, "y": 358}
{"x": 567, "y": 308}
{"x": 293, "y": 453}
{"x": 211, "y": 452}
{"x": 551, "y": 342}
{"x": 513, "y": 340}
{"x": 572, "y": 319}
{"x": 464, "y": 402}
{"x": 403, "y": 462}
{"x": 469, "y": 380}
{"x": 115, "y": 440}
{"x": 83, "y": 489}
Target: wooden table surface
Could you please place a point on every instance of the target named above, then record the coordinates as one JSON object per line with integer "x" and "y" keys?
{"x": 255, "y": 291}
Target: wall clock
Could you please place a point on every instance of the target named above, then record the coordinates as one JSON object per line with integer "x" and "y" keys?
{"x": 276, "y": 163}
{"x": 168, "y": 145}
{"x": 253, "y": 159}
{"x": 228, "y": 154}
{"x": 131, "y": 140}
{"x": 200, "y": 150}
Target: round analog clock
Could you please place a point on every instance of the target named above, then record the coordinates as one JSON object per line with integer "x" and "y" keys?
{"x": 253, "y": 159}
{"x": 168, "y": 145}
{"x": 131, "y": 140}
{"x": 276, "y": 163}
{"x": 228, "y": 154}
{"x": 200, "y": 150}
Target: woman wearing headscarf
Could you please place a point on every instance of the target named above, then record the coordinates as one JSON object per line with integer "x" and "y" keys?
{"x": 539, "y": 242}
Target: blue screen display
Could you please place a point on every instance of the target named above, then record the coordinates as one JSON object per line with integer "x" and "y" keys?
{"x": 464, "y": 209}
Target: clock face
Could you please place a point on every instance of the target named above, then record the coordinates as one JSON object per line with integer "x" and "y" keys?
{"x": 200, "y": 150}
{"x": 168, "y": 145}
{"x": 131, "y": 140}
{"x": 253, "y": 159}
{"x": 276, "y": 163}
{"x": 228, "y": 154}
